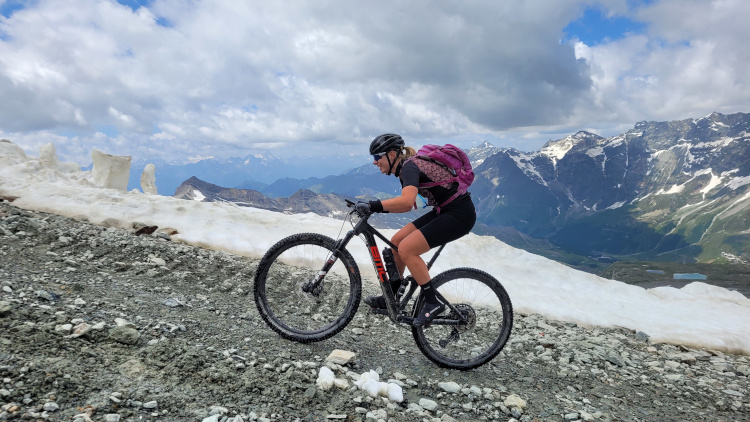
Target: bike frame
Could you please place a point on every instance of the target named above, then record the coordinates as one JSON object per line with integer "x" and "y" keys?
{"x": 395, "y": 310}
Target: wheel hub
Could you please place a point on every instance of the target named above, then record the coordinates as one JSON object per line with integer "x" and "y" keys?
{"x": 467, "y": 314}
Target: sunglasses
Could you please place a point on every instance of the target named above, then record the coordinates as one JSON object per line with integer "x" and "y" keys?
{"x": 377, "y": 157}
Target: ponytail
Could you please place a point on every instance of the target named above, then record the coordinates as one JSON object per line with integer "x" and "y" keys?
{"x": 407, "y": 152}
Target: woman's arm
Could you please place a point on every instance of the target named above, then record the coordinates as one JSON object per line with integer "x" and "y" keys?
{"x": 403, "y": 203}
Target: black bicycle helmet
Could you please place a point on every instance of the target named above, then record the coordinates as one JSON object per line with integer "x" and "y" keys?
{"x": 386, "y": 142}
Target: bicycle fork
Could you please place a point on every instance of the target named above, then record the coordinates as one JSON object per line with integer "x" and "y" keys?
{"x": 315, "y": 286}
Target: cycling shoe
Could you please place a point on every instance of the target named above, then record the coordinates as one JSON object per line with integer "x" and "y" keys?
{"x": 377, "y": 302}
{"x": 428, "y": 313}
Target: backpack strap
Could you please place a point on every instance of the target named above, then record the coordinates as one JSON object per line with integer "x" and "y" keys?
{"x": 453, "y": 179}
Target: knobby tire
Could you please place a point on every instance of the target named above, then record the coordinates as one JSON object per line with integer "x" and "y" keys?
{"x": 485, "y": 300}
{"x": 298, "y": 315}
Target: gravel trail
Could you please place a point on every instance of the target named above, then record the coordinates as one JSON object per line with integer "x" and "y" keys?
{"x": 100, "y": 324}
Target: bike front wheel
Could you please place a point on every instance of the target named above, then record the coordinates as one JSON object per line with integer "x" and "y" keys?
{"x": 483, "y": 304}
{"x": 283, "y": 291}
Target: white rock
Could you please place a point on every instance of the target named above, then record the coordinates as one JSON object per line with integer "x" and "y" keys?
{"x": 341, "y": 357}
{"x": 399, "y": 376}
{"x": 450, "y": 387}
{"x": 395, "y": 393}
{"x": 383, "y": 389}
{"x": 371, "y": 387}
{"x": 124, "y": 323}
{"x": 50, "y": 406}
{"x": 325, "y": 378}
{"x": 158, "y": 261}
{"x": 585, "y": 416}
{"x": 64, "y": 328}
{"x": 365, "y": 377}
{"x": 341, "y": 383}
{"x": 427, "y": 404}
{"x": 80, "y": 301}
{"x": 218, "y": 410}
{"x": 379, "y": 414}
{"x": 515, "y": 401}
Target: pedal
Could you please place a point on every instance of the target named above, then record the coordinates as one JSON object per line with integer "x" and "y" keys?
{"x": 379, "y": 311}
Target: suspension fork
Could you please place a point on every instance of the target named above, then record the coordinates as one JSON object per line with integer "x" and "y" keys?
{"x": 315, "y": 286}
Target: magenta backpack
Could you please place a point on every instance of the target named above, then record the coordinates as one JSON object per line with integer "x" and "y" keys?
{"x": 450, "y": 164}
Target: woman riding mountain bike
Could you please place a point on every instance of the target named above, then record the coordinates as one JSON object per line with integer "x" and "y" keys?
{"x": 441, "y": 225}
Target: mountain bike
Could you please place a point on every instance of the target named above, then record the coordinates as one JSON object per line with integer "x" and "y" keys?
{"x": 308, "y": 288}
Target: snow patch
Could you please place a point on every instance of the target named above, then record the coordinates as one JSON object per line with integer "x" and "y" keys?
{"x": 616, "y": 205}
{"x": 595, "y": 152}
{"x": 557, "y": 151}
{"x": 674, "y": 189}
{"x": 527, "y": 167}
{"x": 198, "y": 196}
{"x": 198, "y": 158}
{"x": 715, "y": 144}
{"x": 715, "y": 181}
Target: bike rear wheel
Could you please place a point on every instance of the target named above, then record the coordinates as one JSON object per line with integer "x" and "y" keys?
{"x": 486, "y": 305}
{"x": 300, "y": 315}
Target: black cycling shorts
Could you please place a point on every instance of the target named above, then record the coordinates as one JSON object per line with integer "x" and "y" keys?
{"x": 454, "y": 221}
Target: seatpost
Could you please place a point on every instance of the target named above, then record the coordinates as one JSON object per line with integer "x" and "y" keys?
{"x": 435, "y": 256}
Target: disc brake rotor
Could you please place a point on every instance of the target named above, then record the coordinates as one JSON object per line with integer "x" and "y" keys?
{"x": 467, "y": 314}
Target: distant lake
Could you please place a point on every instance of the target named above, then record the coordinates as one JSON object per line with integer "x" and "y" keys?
{"x": 688, "y": 276}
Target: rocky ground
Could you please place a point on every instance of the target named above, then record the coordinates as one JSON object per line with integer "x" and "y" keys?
{"x": 98, "y": 323}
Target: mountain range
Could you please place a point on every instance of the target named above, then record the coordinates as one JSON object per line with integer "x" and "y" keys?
{"x": 662, "y": 191}
{"x": 254, "y": 171}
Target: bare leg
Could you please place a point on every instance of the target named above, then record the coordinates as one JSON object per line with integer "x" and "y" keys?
{"x": 409, "y": 250}
{"x": 396, "y": 240}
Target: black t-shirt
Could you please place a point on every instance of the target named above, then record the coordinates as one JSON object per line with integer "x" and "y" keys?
{"x": 410, "y": 175}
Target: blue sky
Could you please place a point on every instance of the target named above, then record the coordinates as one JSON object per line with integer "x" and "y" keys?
{"x": 171, "y": 79}
{"x": 8, "y": 7}
{"x": 595, "y": 27}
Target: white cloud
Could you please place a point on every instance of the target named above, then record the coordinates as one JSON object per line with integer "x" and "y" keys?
{"x": 691, "y": 62}
{"x": 223, "y": 77}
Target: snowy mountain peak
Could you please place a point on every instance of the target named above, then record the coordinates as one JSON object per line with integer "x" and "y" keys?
{"x": 556, "y": 150}
{"x": 198, "y": 158}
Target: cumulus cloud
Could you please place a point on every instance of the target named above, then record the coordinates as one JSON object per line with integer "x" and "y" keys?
{"x": 224, "y": 77}
{"x": 691, "y": 61}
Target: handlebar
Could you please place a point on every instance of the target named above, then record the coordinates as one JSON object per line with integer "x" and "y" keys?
{"x": 352, "y": 204}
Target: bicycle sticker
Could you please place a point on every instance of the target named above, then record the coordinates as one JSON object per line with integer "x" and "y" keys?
{"x": 378, "y": 263}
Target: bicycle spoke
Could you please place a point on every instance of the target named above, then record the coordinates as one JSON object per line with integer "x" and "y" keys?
{"x": 286, "y": 299}
{"x": 484, "y": 307}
